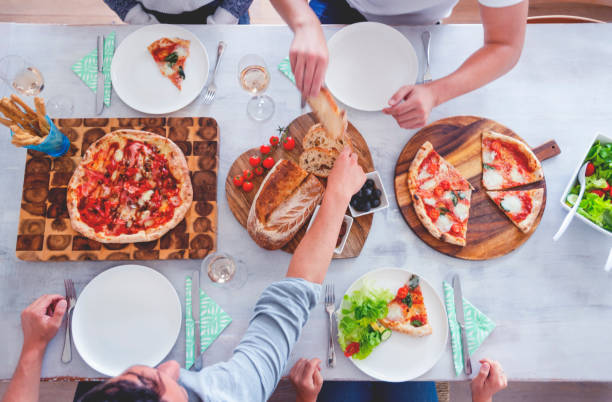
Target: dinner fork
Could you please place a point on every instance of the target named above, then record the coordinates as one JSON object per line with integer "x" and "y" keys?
{"x": 211, "y": 90}
{"x": 330, "y": 307}
{"x": 71, "y": 299}
{"x": 427, "y": 74}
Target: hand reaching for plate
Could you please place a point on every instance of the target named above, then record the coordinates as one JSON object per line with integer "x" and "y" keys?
{"x": 41, "y": 320}
{"x": 411, "y": 104}
{"x": 489, "y": 380}
{"x": 346, "y": 177}
{"x": 309, "y": 56}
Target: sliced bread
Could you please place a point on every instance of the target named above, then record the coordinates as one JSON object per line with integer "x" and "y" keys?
{"x": 329, "y": 114}
{"x": 317, "y": 137}
{"x": 318, "y": 161}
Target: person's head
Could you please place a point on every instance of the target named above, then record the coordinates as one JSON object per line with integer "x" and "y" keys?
{"x": 141, "y": 384}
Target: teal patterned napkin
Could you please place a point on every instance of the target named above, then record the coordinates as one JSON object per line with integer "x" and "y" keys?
{"x": 87, "y": 68}
{"x": 213, "y": 320}
{"x": 285, "y": 68}
{"x": 478, "y": 326}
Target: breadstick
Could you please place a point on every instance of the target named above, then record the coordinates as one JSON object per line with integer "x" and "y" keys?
{"x": 8, "y": 109}
{"x": 16, "y": 100}
{"x": 23, "y": 137}
{"x": 41, "y": 112}
{"x": 6, "y": 122}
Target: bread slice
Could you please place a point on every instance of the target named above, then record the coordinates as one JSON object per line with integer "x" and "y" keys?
{"x": 331, "y": 117}
{"x": 317, "y": 137}
{"x": 318, "y": 161}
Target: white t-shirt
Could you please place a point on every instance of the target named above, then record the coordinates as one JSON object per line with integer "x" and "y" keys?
{"x": 414, "y": 12}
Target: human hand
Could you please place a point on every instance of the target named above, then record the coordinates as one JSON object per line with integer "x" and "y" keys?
{"x": 41, "y": 320}
{"x": 489, "y": 380}
{"x": 309, "y": 56}
{"x": 413, "y": 112}
{"x": 346, "y": 177}
{"x": 307, "y": 379}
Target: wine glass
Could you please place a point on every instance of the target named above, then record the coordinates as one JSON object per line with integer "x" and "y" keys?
{"x": 254, "y": 77}
{"x": 22, "y": 76}
{"x": 222, "y": 271}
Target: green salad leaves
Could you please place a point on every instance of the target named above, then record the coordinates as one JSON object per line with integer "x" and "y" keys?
{"x": 357, "y": 320}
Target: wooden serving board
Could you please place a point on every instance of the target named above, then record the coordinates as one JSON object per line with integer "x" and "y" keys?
{"x": 240, "y": 202}
{"x": 44, "y": 231}
{"x": 458, "y": 139}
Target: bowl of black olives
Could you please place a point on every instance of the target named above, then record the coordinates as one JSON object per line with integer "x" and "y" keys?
{"x": 370, "y": 198}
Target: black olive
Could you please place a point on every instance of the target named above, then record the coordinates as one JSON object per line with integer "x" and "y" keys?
{"x": 377, "y": 192}
{"x": 375, "y": 203}
{"x": 369, "y": 183}
{"x": 367, "y": 206}
{"x": 354, "y": 202}
{"x": 367, "y": 192}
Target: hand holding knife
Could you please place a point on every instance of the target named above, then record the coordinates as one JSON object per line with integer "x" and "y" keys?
{"x": 467, "y": 363}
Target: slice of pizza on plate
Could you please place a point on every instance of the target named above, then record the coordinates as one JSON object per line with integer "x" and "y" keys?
{"x": 170, "y": 55}
{"x": 407, "y": 312}
{"x": 522, "y": 207}
{"x": 507, "y": 162}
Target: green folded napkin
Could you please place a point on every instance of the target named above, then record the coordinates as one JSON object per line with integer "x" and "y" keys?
{"x": 213, "y": 321}
{"x": 478, "y": 326}
{"x": 285, "y": 68}
{"x": 87, "y": 68}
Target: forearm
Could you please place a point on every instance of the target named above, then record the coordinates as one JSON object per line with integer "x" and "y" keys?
{"x": 24, "y": 385}
{"x": 314, "y": 253}
{"x": 296, "y": 13}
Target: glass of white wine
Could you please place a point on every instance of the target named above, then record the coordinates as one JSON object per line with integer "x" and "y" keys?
{"x": 22, "y": 76}
{"x": 222, "y": 271}
{"x": 254, "y": 78}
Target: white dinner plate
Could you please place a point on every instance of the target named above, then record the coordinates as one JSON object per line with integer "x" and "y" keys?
{"x": 138, "y": 81}
{"x": 368, "y": 63}
{"x": 126, "y": 315}
{"x": 403, "y": 357}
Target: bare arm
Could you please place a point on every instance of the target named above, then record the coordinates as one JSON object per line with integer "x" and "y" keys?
{"x": 504, "y": 35}
{"x": 314, "y": 253}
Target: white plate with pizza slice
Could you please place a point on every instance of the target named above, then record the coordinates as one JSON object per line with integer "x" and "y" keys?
{"x": 404, "y": 357}
{"x": 138, "y": 80}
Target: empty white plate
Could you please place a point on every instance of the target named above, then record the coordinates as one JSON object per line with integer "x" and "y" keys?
{"x": 417, "y": 355}
{"x": 368, "y": 63}
{"x": 139, "y": 83}
{"x": 125, "y": 316}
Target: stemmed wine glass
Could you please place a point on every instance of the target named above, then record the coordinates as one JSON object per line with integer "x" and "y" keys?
{"x": 22, "y": 76}
{"x": 221, "y": 269}
{"x": 254, "y": 77}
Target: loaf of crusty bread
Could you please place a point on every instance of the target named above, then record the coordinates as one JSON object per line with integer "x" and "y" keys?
{"x": 318, "y": 161}
{"x": 331, "y": 117}
{"x": 317, "y": 137}
{"x": 285, "y": 200}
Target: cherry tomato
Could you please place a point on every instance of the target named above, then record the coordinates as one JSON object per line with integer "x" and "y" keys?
{"x": 265, "y": 149}
{"x": 254, "y": 160}
{"x": 247, "y": 186}
{"x": 496, "y": 146}
{"x": 238, "y": 180}
{"x": 445, "y": 185}
{"x": 433, "y": 213}
{"x": 259, "y": 171}
{"x": 438, "y": 191}
{"x": 268, "y": 162}
{"x": 598, "y": 192}
{"x": 402, "y": 292}
{"x": 590, "y": 169}
{"x": 351, "y": 349}
{"x": 456, "y": 228}
{"x": 288, "y": 143}
{"x": 247, "y": 174}
{"x": 274, "y": 140}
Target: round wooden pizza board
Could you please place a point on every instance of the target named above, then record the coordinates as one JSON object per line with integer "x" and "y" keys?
{"x": 240, "y": 201}
{"x": 458, "y": 139}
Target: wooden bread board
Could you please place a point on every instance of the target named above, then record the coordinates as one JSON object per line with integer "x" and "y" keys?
{"x": 44, "y": 231}
{"x": 458, "y": 139}
{"x": 240, "y": 201}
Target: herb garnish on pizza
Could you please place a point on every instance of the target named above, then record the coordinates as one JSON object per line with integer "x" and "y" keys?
{"x": 170, "y": 55}
{"x": 407, "y": 312}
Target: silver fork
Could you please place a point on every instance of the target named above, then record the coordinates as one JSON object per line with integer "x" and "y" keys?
{"x": 71, "y": 299}
{"x": 427, "y": 74}
{"x": 211, "y": 90}
{"x": 330, "y": 307}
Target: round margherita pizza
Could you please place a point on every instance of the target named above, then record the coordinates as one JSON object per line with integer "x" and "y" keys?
{"x": 131, "y": 186}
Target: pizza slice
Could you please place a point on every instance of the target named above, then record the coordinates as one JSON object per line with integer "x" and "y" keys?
{"x": 407, "y": 312}
{"x": 170, "y": 55}
{"x": 507, "y": 162}
{"x": 522, "y": 207}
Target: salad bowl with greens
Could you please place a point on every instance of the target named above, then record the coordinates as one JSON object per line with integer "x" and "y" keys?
{"x": 595, "y": 208}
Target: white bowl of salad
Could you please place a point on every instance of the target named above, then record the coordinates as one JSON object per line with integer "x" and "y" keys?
{"x": 596, "y": 205}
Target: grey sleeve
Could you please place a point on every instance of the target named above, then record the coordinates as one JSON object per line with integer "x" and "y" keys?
{"x": 236, "y": 7}
{"x": 121, "y": 7}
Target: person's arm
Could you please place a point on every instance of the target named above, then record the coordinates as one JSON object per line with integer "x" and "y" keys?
{"x": 229, "y": 12}
{"x": 308, "y": 53}
{"x": 504, "y": 35}
{"x": 40, "y": 322}
{"x": 489, "y": 381}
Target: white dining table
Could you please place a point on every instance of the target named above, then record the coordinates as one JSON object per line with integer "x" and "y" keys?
{"x": 551, "y": 301}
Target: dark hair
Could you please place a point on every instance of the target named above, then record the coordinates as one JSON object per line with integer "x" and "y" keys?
{"x": 124, "y": 390}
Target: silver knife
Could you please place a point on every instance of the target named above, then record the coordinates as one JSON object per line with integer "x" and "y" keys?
{"x": 100, "y": 87}
{"x": 195, "y": 311}
{"x": 467, "y": 363}
{"x": 427, "y": 74}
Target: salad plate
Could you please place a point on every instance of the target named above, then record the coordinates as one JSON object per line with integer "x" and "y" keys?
{"x": 418, "y": 354}
{"x": 594, "y": 210}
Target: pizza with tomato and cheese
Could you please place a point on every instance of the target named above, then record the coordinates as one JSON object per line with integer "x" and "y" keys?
{"x": 522, "y": 207}
{"x": 170, "y": 55}
{"x": 407, "y": 312}
{"x": 131, "y": 186}
{"x": 440, "y": 194}
{"x": 508, "y": 162}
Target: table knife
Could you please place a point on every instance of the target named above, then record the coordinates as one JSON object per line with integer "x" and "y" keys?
{"x": 467, "y": 363}
{"x": 195, "y": 311}
{"x": 100, "y": 86}
{"x": 427, "y": 74}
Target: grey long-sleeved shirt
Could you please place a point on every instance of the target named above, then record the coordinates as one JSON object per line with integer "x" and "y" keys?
{"x": 259, "y": 360}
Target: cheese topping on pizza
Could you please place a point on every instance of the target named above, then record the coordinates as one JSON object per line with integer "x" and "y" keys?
{"x": 448, "y": 209}
{"x": 407, "y": 312}
{"x": 522, "y": 207}
{"x": 170, "y": 55}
